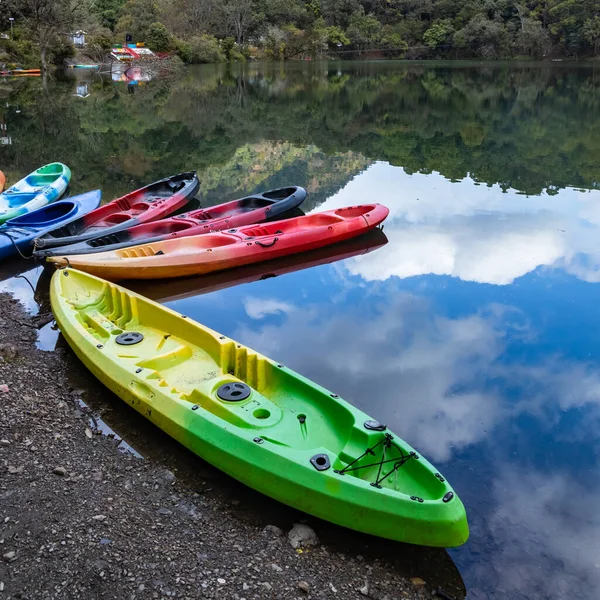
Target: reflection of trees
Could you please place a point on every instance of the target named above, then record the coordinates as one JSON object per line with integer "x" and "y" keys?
{"x": 530, "y": 128}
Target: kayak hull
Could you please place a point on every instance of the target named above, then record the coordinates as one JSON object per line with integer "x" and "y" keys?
{"x": 289, "y": 438}
{"x": 178, "y": 289}
{"x": 245, "y": 211}
{"x": 45, "y": 185}
{"x": 150, "y": 203}
{"x": 17, "y": 235}
{"x": 197, "y": 255}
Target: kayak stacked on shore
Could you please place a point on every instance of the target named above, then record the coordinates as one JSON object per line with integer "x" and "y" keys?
{"x": 39, "y": 188}
{"x": 255, "y": 419}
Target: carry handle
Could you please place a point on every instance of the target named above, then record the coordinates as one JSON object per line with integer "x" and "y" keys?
{"x": 263, "y": 245}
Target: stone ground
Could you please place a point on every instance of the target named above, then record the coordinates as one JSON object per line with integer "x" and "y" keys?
{"x": 81, "y": 518}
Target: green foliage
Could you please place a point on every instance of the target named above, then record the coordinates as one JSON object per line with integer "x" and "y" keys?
{"x": 201, "y": 49}
{"x": 136, "y": 18}
{"x": 439, "y": 34}
{"x": 336, "y": 36}
{"x": 364, "y": 31}
{"x": 158, "y": 38}
{"x": 107, "y": 12}
{"x": 591, "y": 33}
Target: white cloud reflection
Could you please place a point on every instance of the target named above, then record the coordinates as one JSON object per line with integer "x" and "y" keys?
{"x": 473, "y": 232}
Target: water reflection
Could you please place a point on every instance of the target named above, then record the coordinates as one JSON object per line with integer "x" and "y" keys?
{"x": 473, "y": 332}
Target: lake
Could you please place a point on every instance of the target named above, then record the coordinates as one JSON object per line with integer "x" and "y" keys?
{"x": 470, "y": 326}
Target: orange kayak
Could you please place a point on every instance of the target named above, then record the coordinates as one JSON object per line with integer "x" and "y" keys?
{"x": 200, "y": 254}
{"x": 2, "y": 181}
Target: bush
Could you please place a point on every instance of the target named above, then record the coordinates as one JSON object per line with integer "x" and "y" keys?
{"x": 60, "y": 50}
{"x": 200, "y": 49}
{"x": 158, "y": 38}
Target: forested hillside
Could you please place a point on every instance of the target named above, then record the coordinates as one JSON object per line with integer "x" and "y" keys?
{"x": 218, "y": 30}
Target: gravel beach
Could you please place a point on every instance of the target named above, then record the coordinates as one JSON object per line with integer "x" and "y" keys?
{"x": 97, "y": 503}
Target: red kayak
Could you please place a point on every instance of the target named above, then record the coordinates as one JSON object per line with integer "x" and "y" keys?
{"x": 170, "y": 290}
{"x": 201, "y": 254}
{"x": 150, "y": 203}
{"x": 245, "y": 211}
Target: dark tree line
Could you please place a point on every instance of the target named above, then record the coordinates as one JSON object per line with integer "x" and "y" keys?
{"x": 218, "y": 30}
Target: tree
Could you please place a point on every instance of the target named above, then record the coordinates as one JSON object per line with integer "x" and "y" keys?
{"x": 48, "y": 22}
{"x": 439, "y": 34}
{"x": 238, "y": 18}
{"x": 483, "y": 37}
{"x": 591, "y": 32}
{"x": 364, "y": 31}
{"x": 158, "y": 38}
{"x": 136, "y": 18}
{"x": 107, "y": 12}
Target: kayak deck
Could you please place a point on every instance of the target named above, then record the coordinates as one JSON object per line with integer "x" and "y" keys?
{"x": 255, "y": 419}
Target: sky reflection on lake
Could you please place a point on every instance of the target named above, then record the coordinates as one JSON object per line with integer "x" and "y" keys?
{"x": 472, "y": 334}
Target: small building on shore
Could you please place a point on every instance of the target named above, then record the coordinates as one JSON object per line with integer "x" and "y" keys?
{"x": 78, "y": 38}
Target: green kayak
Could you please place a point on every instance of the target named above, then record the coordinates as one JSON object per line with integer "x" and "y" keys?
{"x": 255, "y": 419}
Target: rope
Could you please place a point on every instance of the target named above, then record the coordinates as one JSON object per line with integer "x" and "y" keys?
{"x": 14, "y": 243}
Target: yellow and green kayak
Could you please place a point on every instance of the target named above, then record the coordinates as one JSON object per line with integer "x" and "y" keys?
{"x": 255, "y": 419}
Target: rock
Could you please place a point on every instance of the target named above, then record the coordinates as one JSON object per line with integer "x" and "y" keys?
{"x": 99, "y": 518}
{"x": 364, "y": 590}
{"x": 105, "y": 542}
{"x": 273, "y": 531}
{"x": 245, "y": 586}
{"x": 16, "y": 470}
{"x": 303, "y": 586}
{"x": 88, "y": 433}
{"x": 100, "y": 565}
{"x": 9, "y": 556}
{"x": 267, "y": 586}
{"x": 302, "y": 536}
{"x": 1, "y": 586}
{"x": 165, "y": 512}
{"x": 168, "y": 476}
{"x": 59, "y": 471}
{"x": 4, "y": 442}
{"x": 276, "y": 568}
{"x": 417, "y": 581}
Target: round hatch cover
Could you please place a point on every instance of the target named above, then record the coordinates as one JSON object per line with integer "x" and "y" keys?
{"x": 128, "y": 338}
{"x": 234, "y": 392}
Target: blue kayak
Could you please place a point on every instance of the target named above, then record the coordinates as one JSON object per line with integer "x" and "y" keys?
{"x": 19, "y": 233}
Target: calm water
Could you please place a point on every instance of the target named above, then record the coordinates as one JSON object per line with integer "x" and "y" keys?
{"x": 474, "y": 332}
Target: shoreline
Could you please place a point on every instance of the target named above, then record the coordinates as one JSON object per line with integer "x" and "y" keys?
{"x": 80, "y": 518}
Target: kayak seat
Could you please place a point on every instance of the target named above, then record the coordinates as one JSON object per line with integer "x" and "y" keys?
{"x": 140, "y": 206}
{"x": 117, "y": 218}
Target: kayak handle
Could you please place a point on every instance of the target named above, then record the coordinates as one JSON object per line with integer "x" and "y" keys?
{"x": 275, "y": 240}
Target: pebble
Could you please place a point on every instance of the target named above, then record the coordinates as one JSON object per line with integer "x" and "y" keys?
{"x": 9, "y": 555}
{"x": 4, "y": 442}
{"x": 105, "y": 541}
{"x": 245, "y": 586}
{"x": 59, "y": 471}
{"x": 273, "y": 530}
{"x": 221, "y": 581}
{"x": 267, "y": 586}
{"x": 16, "y": 470}
{"x": 303, "y": 585}
{"x": 1, "y": 586}
{"x": 364, "y": 590}
{"x": 99, "y": 517}
{"x": 276, "y": 568}
{"x": 417, "y": 581}
{"x": 302, "y": 536}
{"x": 165, "y": 512}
